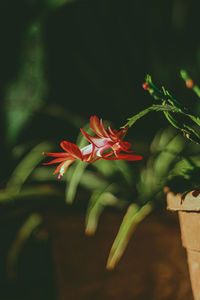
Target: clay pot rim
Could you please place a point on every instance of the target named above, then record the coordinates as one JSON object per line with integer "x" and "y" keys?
{"x": 176, "y": 202}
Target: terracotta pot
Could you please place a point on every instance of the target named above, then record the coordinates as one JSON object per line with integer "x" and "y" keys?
{"x": 189, "y": 218}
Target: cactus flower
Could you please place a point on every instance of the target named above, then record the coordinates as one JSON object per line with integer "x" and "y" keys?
{"x": 106, "y": 145}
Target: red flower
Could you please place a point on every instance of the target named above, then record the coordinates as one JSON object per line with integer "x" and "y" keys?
{"x": 107, "y": 145}
{"x": 112, "y": 141}
{"x": 72, "y": 152}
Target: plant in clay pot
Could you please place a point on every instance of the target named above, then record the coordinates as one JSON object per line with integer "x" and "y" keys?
{"x": 175, "y": 171}
{"x": 182, "y": 188}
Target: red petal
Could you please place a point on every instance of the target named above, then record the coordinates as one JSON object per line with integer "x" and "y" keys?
{"x": 113, "y": 134}
{"x": 72, "y": 149}
{"x": 105, "y": 133}
{"x": 59, "y": 154}
{"x": 60, "y": 166}
{"x": 54, "y": 161}
{"x": 57, "y": 170}
{"x": 110, "y": 130}
{"x": 107, "y": 154}
{"x": 97, "y": 141}
{"x": 89, "y": 156}
{"x": 124, "y": 146}
{"x": 97, "y": 127}
{"x": 121, "y": 134}
{"x": 128, "y": 157}
{"x": 92, "y": 161}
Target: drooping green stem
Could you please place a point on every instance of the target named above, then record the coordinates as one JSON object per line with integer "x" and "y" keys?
{"x": 188, "y": 124}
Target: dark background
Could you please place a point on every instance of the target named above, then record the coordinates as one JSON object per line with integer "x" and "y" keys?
{"x": 97, "y": 54}
{"x": 96, "y": 57}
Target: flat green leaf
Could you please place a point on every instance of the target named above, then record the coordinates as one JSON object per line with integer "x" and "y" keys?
{"x": 91, "y": 179}
{"x": 32, "y": 222}
{"x": 167, "y": 107}
{"x": 27, "y": 192}
{"x": 26, "y": 166}
{"x": 78, "y": 170}
{"x": 132, "y": 218}
{"x": 138, "y": 116}
{"x": 96, "y": 206}
{"x": 71, "y": 187}
{"x": 154, "y": 107}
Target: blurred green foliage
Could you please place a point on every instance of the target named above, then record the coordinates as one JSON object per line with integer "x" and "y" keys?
{"x": 62, "y": 61}
{"x": 25, "y": 95}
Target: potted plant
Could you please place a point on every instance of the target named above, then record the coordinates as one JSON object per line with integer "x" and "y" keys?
{"x": 109, "y": 145}
{"x": 182, "y": 190}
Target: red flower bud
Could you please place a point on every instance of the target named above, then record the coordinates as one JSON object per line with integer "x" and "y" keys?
{"x": 189, "y": 83}
{"x": 145, "y": 86}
